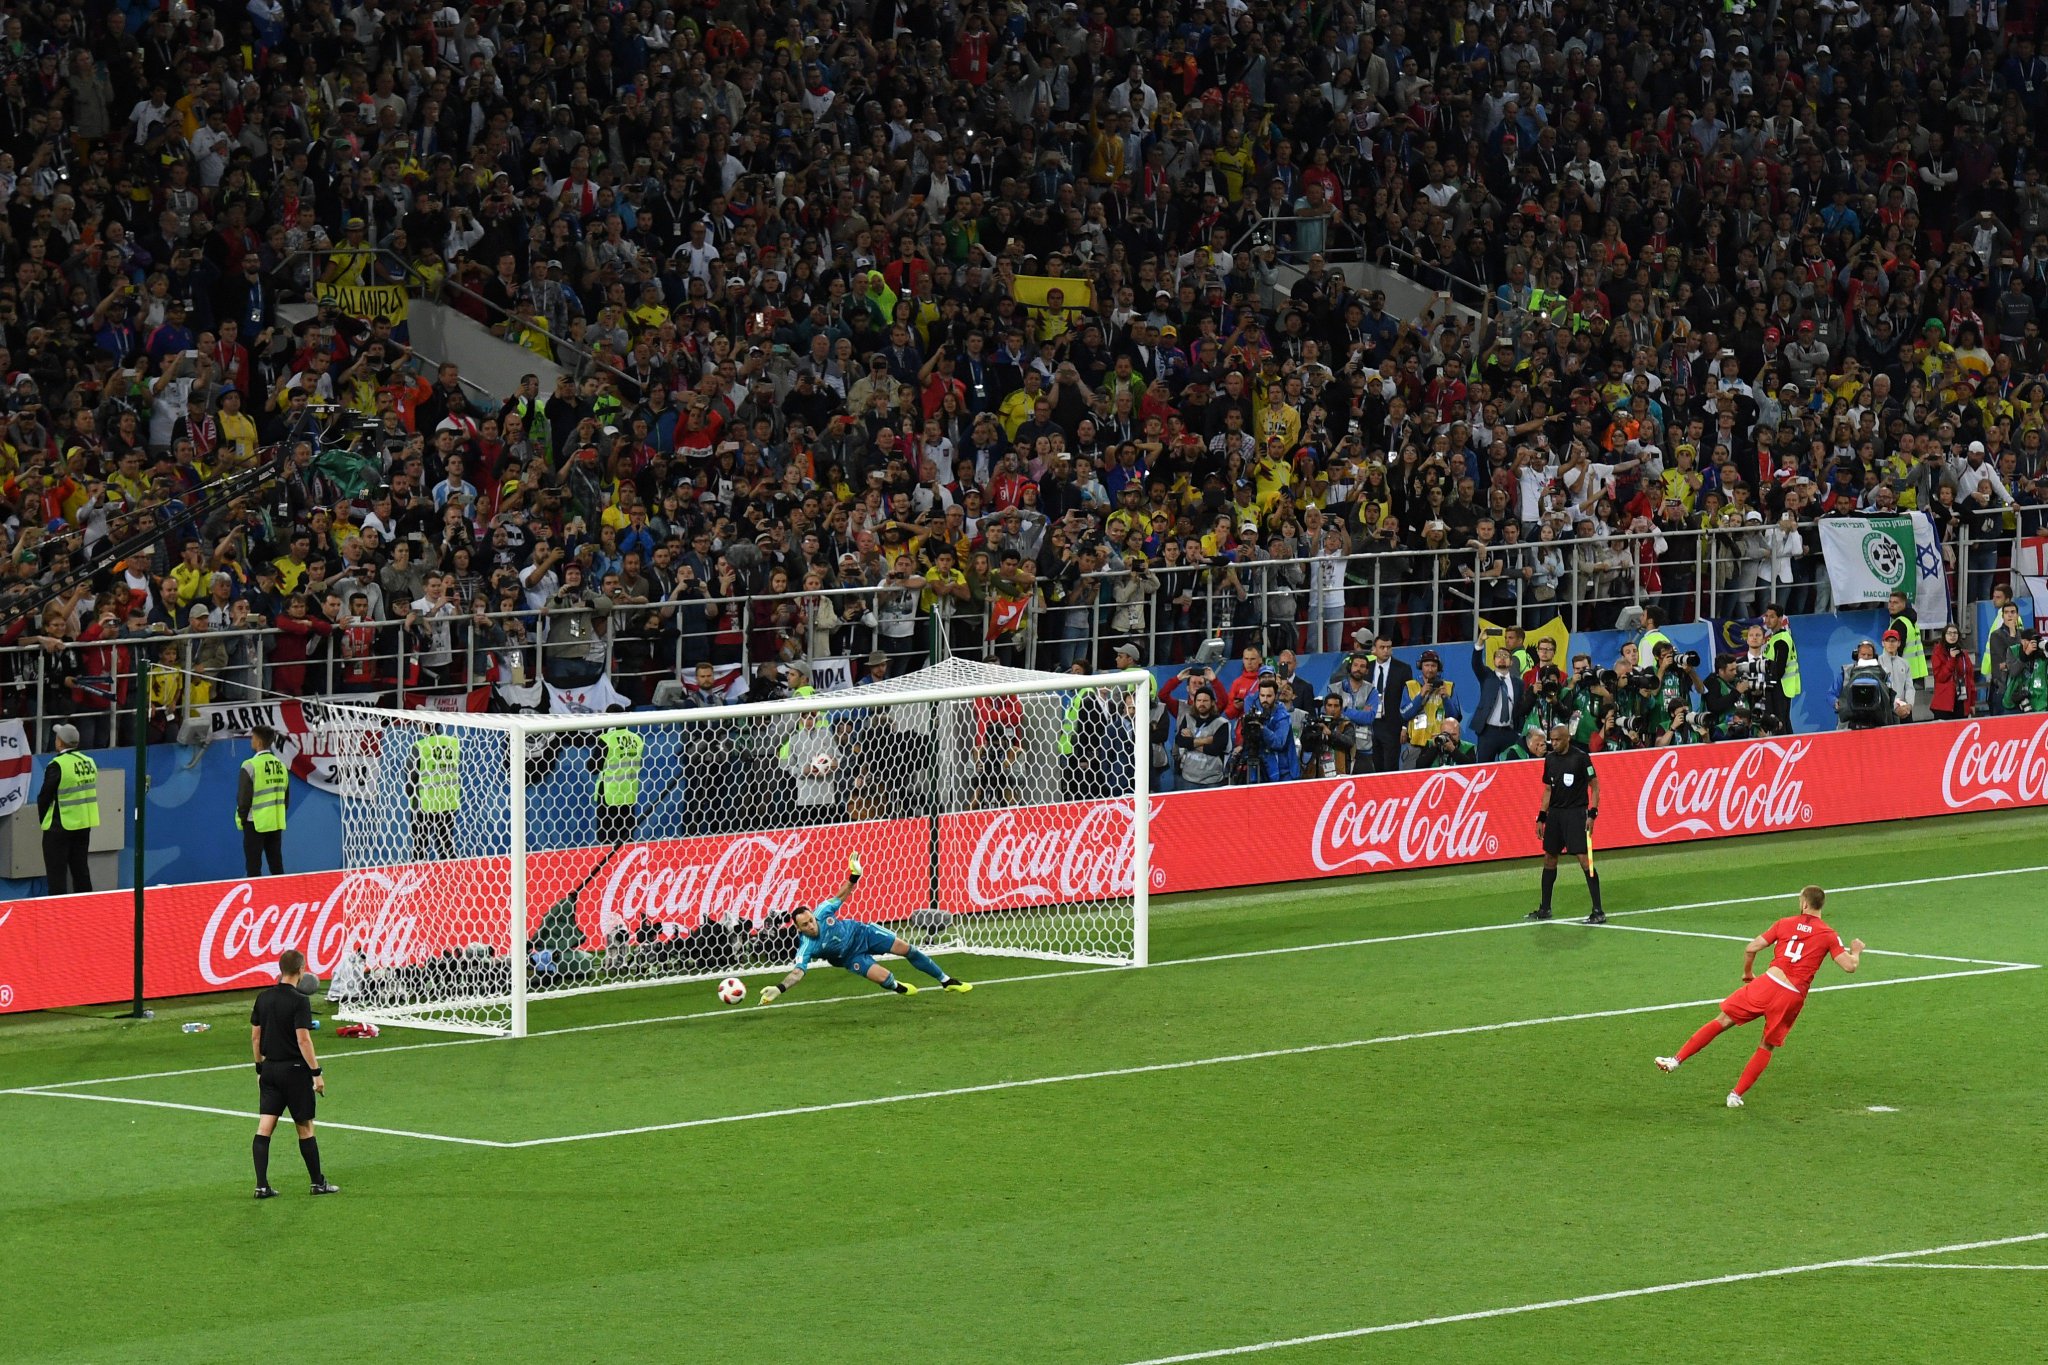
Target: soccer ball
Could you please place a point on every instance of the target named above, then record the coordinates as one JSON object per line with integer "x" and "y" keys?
{"x": 732, "y": 990}
{"x": 822, "y": 765}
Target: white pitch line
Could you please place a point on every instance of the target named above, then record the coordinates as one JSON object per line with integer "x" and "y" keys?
{"x": 1483, "y": 1314}
{"x": 245, "y": 1114}
{"x": 1931, "y": 1265}
{"x": 1867, "y": 952}
{"x": 1322, "y": 889}
{"x": 1228, "y": 1059}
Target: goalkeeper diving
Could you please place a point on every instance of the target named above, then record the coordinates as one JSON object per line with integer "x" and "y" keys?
{"x": 824, "y": 937}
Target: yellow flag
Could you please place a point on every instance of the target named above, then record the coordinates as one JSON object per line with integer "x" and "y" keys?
{"x": 1553, "y": 630}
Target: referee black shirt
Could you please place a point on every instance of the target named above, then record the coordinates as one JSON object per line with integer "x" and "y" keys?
{"x": 1568, "y": 774}
{"x": 281, "y": 1012}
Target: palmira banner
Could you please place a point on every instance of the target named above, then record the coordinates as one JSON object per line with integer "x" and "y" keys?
{"x": 1869, "y": 558}
{"x": 334, "y": 757}
{"x": 1031, "y": 291}
{"x": 365, "y": 301}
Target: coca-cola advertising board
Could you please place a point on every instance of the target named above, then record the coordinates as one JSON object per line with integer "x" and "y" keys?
{"x": 75, "y": 950}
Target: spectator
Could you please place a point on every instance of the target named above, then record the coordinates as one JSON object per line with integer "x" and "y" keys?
{"x": 1955, "y": 679}
{"x": 1898, "y": 676}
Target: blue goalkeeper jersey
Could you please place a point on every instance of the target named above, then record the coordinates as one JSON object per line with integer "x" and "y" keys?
{"x": 835, "y": 940}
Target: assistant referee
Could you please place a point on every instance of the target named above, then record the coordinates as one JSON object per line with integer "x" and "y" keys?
{"x": 1571, "y": 803}
{"x": 288, "y": 1074}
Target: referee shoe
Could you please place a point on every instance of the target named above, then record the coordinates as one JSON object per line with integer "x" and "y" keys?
{"x": 1597, "y": 917}
{"x": 326, "y": 1188}
{"x": 265, "y": 1192}
{"x": 1540, "y": 912}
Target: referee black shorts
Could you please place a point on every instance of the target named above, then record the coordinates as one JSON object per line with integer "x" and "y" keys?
{"x": 285, "y": 1087}
{"x": 1565, "y": 832}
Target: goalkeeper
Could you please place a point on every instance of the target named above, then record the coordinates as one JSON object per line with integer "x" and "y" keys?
{"x": 847, "y": 943}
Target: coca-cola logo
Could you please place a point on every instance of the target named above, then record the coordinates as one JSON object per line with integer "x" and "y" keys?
{"x": 1759, "y": 788}
{"x": 1442, "y": 820}
{"x": 367, "y": 911}
{"x": 1018, "y": 862}
{"x": 751, "y": 878}
{"x": 1995, "y": 772}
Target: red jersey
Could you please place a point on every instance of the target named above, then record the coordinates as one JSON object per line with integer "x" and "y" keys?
{"x": 1802, "y": 942}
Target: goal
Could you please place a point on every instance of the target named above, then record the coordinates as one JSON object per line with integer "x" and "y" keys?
{"x": 503, "y": 859}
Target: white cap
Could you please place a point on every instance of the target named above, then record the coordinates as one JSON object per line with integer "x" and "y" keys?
{"x": 1976, "y": 447}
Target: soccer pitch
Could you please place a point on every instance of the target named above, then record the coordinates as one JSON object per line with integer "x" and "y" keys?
{"x": 1374, "y": 1119}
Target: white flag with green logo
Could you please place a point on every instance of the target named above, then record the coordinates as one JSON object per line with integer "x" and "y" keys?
{"x": 1870, "y": 558}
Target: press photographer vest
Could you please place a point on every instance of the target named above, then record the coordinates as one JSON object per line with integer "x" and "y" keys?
{"x": 1430, "y": 719}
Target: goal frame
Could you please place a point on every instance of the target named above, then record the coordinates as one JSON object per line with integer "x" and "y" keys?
{"x": 521, "y": 730}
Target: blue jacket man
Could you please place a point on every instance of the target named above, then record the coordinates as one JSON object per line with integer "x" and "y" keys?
{"x": 1273, "y": 724}
{"x": 1503, "y": 705}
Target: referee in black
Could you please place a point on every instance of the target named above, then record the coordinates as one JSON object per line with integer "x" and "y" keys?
{"x": 281, "y": 1034}
{"x": 1571, "y": 803}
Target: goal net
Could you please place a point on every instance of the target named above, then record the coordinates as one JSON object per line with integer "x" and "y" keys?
{"x": 502, "y": 859}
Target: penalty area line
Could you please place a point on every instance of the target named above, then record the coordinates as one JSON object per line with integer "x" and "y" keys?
{"x": 245, "y": 1114}
{"x": 1228, "y": 1059}
{"x": 1483, "y": 1314}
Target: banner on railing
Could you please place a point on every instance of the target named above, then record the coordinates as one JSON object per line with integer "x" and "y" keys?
{"x": 365, "y": 301}
{"x": 325, "y": 754}
{"x": 15, "y": 765}
{"x": 75, "y": 950}
{"x": 1869, "y": 558}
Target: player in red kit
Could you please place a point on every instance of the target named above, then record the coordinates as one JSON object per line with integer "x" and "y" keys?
{"x": 1801, "y": 942}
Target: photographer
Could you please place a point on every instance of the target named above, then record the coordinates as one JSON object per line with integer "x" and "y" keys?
{"x": 1724, "y": 690}
{"x": 1423, "y": 708}
{"x": 2026, "y": 688}
{"x": 1359, "y": 700}
{"x": 1551, "y": 708}
{"x": 1678, "y": 682}
{"x": 1201, "y": 743}
{"x": 1448, "y": 748}
{"x": 1898, "y": 672}
{"x": 1535, "y": 743}
{"x": 1329, "y": 741}
{"x": 1266, "y": 734}
{"x": 1683, "y": 727}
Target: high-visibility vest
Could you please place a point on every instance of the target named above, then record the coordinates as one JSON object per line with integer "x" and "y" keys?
{"x": 1646, "y": 648}
{"x": 1070, "y": 724}
{"x": 268, "y": 778}
{"x": 1790, "y": 685}
{"x": 438, "y": 788}
{"x": 78, "y": 792}
{"x": 619, "y": 782}
{"x": 1430, "y": 719}
{"x": 1911, "y": 645}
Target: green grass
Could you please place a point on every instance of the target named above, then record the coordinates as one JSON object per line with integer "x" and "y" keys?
{"x": 1128, "y": 1216}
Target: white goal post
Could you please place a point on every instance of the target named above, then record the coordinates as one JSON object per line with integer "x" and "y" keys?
{"x": 523, "y": 857}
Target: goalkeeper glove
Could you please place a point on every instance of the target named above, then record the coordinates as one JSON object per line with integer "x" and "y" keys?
{"x": 769, "y": 994}
{"x": 853, "y": 867}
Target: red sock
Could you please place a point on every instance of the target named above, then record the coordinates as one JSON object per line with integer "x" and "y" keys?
{"x": 1758, "y": 1060}
{"x": 1709, "y": 1031}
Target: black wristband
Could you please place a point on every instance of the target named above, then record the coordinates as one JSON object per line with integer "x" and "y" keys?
{"x": 316, "y": 1070}
{"x": 1542, "y": 817}
{"x": 1592, "y": 812}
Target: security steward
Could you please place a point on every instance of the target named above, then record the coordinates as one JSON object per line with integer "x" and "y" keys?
{"x": 287, "y": 1072}
{"x": 436, "y": 795}
{"x": 1571, "y": 803}
{"x": 259, "y": 803}
{"x": 617, "y": 764}
{"x": 69, "y": 804}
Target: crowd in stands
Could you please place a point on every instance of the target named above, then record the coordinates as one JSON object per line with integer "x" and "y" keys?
{"x": 1022, "y": 322}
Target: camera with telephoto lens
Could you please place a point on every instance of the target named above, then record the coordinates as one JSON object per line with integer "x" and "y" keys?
{"x": 1609, "y": 679}
{"x": 1689, "y": 658}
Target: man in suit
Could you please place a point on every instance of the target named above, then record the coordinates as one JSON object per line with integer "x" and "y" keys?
{"x": 1389, "y": 678}
{"x": 1504, "y": 701}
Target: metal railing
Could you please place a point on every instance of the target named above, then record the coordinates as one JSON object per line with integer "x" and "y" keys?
{"x": 1309, "y": 605}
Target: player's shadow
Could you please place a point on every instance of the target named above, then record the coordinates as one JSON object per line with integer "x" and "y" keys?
{"x": 1565, "y": 935}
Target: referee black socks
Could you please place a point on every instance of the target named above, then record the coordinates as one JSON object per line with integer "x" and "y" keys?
{"x": 260, "y": 1151}
{"x": 309, "y": 1150}
{"x": 1549, "y": 881}
{"x": 1593, "y": 887}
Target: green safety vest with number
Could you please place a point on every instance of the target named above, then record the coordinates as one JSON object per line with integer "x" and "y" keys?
{"x": 1911, "y": 645}
{"x": 1070, "y": 724}
{"x": 619, "y": 783}
{"x": 1790, "y": 685}
{"x": 268, "y": 778}
{"x": 78, "y": 793}
{"x": 439, "y": 787}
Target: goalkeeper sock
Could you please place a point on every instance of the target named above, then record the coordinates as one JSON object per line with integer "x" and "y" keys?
{"x": 1758, "y": 1060}
{"x": 890, "y": 983}
{"x": 309, "y": 1152}
{"x": 923, "y": 963}
{"x": 260, "y": 1150}
{"x": 1549, "y": 880}
{"x": 1593, "y": 887}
